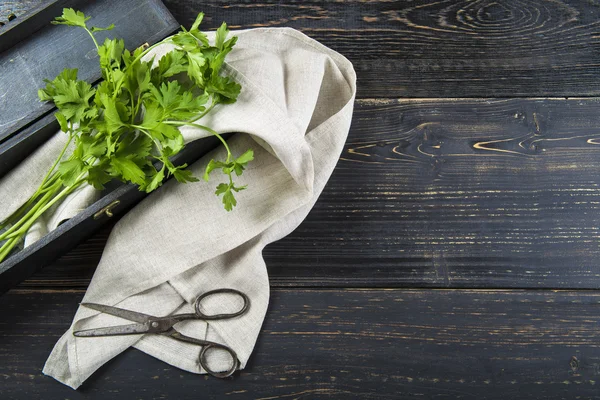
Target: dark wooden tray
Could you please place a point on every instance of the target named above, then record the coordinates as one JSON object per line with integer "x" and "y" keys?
{"x": 25, "y": 122}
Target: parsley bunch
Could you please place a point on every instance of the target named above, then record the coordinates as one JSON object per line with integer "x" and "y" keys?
{"x": 126, "y": 127}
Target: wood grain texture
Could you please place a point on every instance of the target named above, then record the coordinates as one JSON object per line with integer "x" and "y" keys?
{"x": 16, "y": 7}
{"x": 430, "y": 192}
{"x": 442, "y": 193}
{"x": 447, "y": 48}
{"x": 346, "y": 344}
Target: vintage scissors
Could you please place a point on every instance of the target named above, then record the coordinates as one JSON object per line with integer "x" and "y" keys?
{"x": 165, "y": 326}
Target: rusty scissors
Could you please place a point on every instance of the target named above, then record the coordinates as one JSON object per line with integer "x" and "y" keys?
{"x": 165, "y": 326}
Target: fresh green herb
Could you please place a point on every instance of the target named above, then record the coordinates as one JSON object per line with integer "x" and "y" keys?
{"x": 127, "y": 125}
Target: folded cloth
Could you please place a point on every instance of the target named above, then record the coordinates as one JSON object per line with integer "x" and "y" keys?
{"x": 294, "y": 111}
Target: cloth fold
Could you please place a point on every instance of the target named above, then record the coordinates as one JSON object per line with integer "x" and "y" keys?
{"x": 294, "y": 111}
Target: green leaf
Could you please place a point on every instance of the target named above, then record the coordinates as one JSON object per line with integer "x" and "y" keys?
{"x": 68, "y": 74}
{"x": 153, "y": 115}
{"x": 184, "y": 175}
{"x": 221, "y": 35}
{"x": 172, "y": 63}
{"x": 185, "y": 41}
{"x": 246, "y": 157}
{"x": 95, "y": 147}
{"x": 97, "y": 177}
{"x": 177, "y": 105}
{"x": 229, "y": 200}
{"x": 224, "y": 88}
{"x": 222, "y": 188}
{"x": 108, "y": 28}
{"x": 137, "y": 78}
{"x": 240, "y": 163}
{"x": 197, "y": 22}
{"x": 167, "y": 95}
{"x": 169, "y": 131}
{"x": 70, "y": 170}
{"x": 128, "y": 170}
{"x": 72, "y": 18}
{"x": 43, "y": 95}
{"x": 212, "y": 165}
{"x": 71, "y": 97}
{"x": 174, "y": 145}
{"x": 195, "y": 31}
{"x": 156, "y": 181}
{"x": 239, "y": 169}
{"x": 209, "y": 168}
{"x": 62, "y": 121}
{"x": 111, "y": 53}
{"x": 141, "y": 146}
{"x": 112, "y": 118}
{"x": 195, "y": 69}
{"x": 129, "y": 119}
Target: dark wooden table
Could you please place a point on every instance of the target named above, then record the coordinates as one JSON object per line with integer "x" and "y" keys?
{"x": 455, "y": 252}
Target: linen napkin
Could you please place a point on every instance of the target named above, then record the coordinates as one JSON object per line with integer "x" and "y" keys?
{"x": 294, "y": 111}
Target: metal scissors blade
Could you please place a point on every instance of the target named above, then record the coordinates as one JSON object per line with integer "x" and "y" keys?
{"x": 119, "y": 312}
{"x": 142, "y": 326}
{"x": 130, "y": 329}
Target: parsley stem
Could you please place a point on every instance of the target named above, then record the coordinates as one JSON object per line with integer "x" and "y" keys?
{"x": 25, "y": 223}
{"x": 7, "y": 247}
{"x": 46, "y": 197}
{"x": 25, "y": 207}
{"x": 44, "y": 208}
{"x": 60, "y": 156}
{"x": 206, "y": 128}
{"x": 93, "y": 38}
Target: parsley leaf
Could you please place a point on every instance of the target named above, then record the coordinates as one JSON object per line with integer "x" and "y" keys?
{"x": 127, "y": 127}
{"x": 126, "y": 169}
{"x": 72, "y": 18}
{"x": 152, "y": 103}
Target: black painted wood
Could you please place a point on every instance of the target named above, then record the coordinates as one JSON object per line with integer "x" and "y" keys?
{"x": 465, "y": 192}
{"x": 17, "y": 8}
{"x": 448, "y": 48}
{"x": 20, "y": 22}
{"x": 345, "y": 344}
{"x": 442, "y": 193}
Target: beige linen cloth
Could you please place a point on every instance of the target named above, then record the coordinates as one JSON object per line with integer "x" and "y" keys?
{"x": 294, "y": 111}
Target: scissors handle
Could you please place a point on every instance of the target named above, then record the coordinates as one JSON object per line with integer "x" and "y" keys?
{"x": 206, "y": 346}
{"x": 205, "y": 317}
{"x": 226, "y": 374}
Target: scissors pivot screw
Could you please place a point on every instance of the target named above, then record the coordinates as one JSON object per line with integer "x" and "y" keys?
{"x": 155, "y": 324}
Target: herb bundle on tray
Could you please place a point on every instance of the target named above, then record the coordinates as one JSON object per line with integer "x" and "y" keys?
{"x": 126, "y": 127}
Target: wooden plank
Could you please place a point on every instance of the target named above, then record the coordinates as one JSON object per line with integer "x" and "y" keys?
{"x": 31, "y": 17}
{"x": 442, "y": 193}
{"x": 448, "y": 48}
{"x": 341, "y": 344}
{"x": 457, "y": 193}
{"x": 17, "y": 8}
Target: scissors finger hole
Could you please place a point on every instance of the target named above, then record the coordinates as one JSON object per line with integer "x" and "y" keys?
{"x": 218, "y": 361}
{"x": 221, "y": 304}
